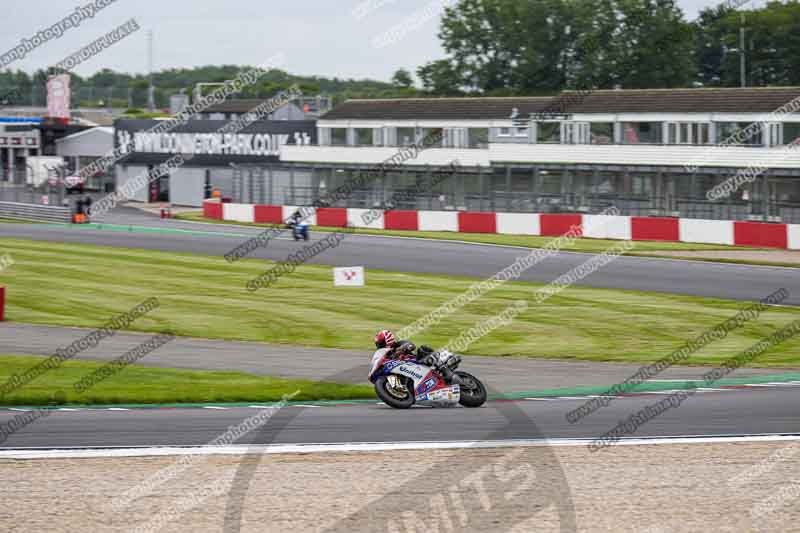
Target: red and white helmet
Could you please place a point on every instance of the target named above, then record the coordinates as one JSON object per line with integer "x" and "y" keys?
{"x": 384, "y": 338}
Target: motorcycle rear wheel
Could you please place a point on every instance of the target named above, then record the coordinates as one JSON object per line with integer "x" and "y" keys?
{"x": 473, "y": 394}
{"x": 391, "y": 396}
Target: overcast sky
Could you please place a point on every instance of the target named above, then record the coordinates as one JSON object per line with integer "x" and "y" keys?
{"x": 343, "y": 38}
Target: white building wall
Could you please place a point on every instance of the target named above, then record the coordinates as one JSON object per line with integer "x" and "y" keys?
{"x": 710, "y": 156}
{"x": 187, "y": 186}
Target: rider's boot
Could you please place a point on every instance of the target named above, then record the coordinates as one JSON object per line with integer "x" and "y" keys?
{"x": 450, "y": 377}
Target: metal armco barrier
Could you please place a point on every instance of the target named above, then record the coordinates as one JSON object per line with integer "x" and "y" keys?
{"x": 46, "y": 213}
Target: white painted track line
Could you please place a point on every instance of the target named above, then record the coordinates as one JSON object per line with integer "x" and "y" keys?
{"x": 271, "y": 449}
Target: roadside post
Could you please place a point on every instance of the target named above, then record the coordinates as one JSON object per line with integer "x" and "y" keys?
{"x": 2, "y": 303}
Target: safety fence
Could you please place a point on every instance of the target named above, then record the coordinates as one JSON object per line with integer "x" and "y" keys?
{"x": 725, "y": 232}
{"x": 44, "y": 213}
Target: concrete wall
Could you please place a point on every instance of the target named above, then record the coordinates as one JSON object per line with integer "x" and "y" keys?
{"x": 187, "y": 187}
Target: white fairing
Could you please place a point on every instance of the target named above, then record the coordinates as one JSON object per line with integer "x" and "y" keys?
{"x": 416, "y": 372}
{"x": 376, "y": 358}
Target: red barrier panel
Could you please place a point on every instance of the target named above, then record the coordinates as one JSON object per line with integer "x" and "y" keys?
{"x": 655, "y": 229}
{"x": 477, "y": 222}
{"x": 268, "y": 214}
{"x": 2, "y": 303}
{"x": 760, "y": 234}
{"x": 333, "y": 217}
{"x": 212, "y": 210}
{"x": 402, "y": 220}
{"x": 557, "y": 225}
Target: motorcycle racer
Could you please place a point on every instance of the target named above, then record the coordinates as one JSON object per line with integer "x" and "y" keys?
{"x": 399, "y": 348}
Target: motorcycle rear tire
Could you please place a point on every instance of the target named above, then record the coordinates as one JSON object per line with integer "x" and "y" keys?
{"x": 476, "y": 396}
{"x": 388, "y": 398}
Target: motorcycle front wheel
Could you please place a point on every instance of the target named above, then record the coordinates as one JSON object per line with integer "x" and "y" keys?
{"x": 473, "y": 393}
{"x": 394, "y": 391}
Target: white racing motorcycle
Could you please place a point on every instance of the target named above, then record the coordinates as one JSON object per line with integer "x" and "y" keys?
{"x": 402, "y": 382}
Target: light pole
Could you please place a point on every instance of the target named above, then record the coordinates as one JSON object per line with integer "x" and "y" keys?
{"x": 742, "y": 69}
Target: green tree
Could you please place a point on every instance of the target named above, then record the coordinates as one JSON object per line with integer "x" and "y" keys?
{"x": 440, "y": 78}
{"x": 402, "y": 79}
{"x": 543, "y": 46}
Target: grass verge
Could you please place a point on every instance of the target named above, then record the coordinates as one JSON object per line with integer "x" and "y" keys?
{"x": 526, "y": 241}
{"x": 145, "y": 385}
{"x": 204, "y": 296}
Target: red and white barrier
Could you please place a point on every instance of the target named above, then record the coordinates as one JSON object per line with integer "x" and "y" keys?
{"x": 518, "y": 224}
{"x": 607, "y": 227}
{"x": 357, "y": 220}
{"x": 706, "y": 231}
{"x": 754, "y": 234}
{"x": 289, "y": 210}
{"x": 794, "y": 237}
{"x": 238, "y": 212}
{"x": 438, "y": 220}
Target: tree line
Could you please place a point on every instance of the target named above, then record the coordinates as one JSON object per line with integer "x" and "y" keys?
{"x": 530, "y": 47}
{"x": 517, "y": 47}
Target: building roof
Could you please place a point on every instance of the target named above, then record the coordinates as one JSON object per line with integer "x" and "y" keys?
{"x": 240, "y": 106}
{"x": 437, "y": 108}
{"x": 706, "y": 100}
{"x": 97, "y": 129}
{"x": 713, "y": 100}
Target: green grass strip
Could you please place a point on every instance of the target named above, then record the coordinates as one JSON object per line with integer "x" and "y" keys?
{"x": 141, "y": 385}
{"x": 201, "y": 296}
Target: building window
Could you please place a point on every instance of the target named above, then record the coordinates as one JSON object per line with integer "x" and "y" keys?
{"x": 433, "y": 136}
{"x": 364, "y": 137}
{"x": 338, "y": 136}
{"x": 601, "y": 132}
{"x": 549, "y": 132}
{"x": 641, "y": 133}
{"x": 642, "y": 185}
{"x": 741, "y": 133}
{"x": 791, "y": 133}
{"x": 576, "y": 133}
{"x": 406, "y": 136}
{"x": 478, "y": 137}
{"x": 687, "y": 133}
{"x": 504, "y": 132}
{"x": 703, "y": 136}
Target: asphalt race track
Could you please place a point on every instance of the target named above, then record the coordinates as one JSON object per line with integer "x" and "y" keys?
{"x": 765, "y": 411}
{"x": 768, "y": 410}
{"x": 717, "y": 280}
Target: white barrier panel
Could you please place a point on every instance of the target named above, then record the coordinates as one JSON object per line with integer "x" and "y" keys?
{"x": 518, "y": 224}
{"x": 794, "y": 236}
{"x": 288, "y": 211}
{"x": 348, "y": 276}
{"x": 706, "y": 231}
{"x": 239, "y": 212}
{"x": 607, "y": 227}
{"x": 355, "y": 217}
{"x": 438, "y": 221}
